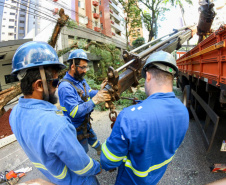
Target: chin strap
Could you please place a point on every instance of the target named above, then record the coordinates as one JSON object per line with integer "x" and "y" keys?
{"x": 44, "y": 83}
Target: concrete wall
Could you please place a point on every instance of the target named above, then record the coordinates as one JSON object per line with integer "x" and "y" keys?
{"x": 88, "y": 34}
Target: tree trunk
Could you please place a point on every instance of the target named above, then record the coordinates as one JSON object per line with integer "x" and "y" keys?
{"x": 7, "y": 95}
{"x": 60, "y": 24}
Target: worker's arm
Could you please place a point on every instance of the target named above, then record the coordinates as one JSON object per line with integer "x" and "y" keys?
{"x": 71, "y": 102}
{"x": 115, "y": 149}
{"x": 66, "y": 146}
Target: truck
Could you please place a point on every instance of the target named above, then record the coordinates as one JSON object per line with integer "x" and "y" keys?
{"x": 202, "y": 78}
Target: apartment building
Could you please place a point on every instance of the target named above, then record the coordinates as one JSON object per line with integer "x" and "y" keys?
{"x": 103, "y": 16}
{"x": 17, "y": 19}
{"x": 137, "y": 32}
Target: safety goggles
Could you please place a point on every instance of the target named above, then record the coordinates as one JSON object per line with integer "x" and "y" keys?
{"x": 83, "y": 67}
{"x": 55, "y": 82}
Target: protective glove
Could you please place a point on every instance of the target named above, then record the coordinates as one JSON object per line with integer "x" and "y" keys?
{"x": 103, "y": 84}
{"x": 101, "y": 96}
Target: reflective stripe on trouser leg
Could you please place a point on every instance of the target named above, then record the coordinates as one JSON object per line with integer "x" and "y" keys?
{"x": 93, "y": 142}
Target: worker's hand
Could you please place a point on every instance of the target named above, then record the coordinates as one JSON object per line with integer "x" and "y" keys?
{"x": 104, "y": 83}
{"x": 101, "y": 96}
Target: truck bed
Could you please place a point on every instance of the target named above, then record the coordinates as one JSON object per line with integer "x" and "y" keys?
{"x": 207, "y": 61}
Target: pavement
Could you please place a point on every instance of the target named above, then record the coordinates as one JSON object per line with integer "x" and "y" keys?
{"x": 191, "y": 164}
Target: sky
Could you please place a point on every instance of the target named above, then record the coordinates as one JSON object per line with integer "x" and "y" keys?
{"x": 174, "y": 21}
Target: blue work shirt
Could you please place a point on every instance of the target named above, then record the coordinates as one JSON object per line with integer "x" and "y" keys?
{"x": 71, "y": 103}
{"x": 50, "y": 142}
{"x": 145, "y": 138}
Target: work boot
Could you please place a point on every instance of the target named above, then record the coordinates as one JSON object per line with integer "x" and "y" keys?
{"x": 98, "y": 149}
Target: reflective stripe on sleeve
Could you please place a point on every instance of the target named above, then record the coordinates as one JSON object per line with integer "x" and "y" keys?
{"x": 88, "y": 99}
{"x": 94, "y": 144}
{"x": 61, "y": 176}
{"x": 74, "y": 111}
{"x": 86, "y": 169}
{"x": 90, "y": 90}
{"x": 145, "y": 173}
{"x": 110, "y": 156}
{"x": 64, "y": 109}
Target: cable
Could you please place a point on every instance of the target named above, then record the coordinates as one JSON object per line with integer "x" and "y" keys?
{"x": 33, "y": 9}
{"x": 30, "y": 13}
{"x": 38, "y": 15}
{"x": 80, "y": 15}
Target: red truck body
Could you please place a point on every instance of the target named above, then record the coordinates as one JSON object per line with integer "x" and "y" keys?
{"x": 202, "y": 78}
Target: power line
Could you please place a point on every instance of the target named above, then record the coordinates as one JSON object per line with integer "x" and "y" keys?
{"x": 36, "y": 13}
{"x": 28, "y": 12}
{"x": 63, "y": 6}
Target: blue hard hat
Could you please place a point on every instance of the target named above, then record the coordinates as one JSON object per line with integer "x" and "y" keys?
{"x": 33, "y": 54}
{"x": 78, "y": 53}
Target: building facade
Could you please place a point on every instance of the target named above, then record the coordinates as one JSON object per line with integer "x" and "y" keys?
{"x": 17, "y": 19}
{"x": 103, "y": 16}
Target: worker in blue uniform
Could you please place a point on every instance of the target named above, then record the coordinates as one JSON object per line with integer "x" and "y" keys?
{"x": 146, "y": 136}
{"x": 77, "y": 99}
{"x": 48, "y": 139}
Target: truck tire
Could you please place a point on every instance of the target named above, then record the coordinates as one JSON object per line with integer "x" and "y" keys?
{"x": 187, "y": 98}
{"x": 178, "y": 83}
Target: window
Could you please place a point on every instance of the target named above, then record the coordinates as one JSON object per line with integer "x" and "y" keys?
{"x": 3, "y": 25}
{"x": 138, "y": 29}
{"x": 5, "y": 12}
{"x": 11, "y": 20}
{"x": 10, "y": 34}
{"x": 79, "y": 4}
{"x": 96, "y": 24}
{"x": 100, "y": 2}
{"x": 10, "y": 78}
{"x": 100, "y": 13}
{"x": 2, "y": 57}
{"x": 11, "y": 26}
{"x": 21, "y": 28}
{"x": 13, "y": 7}
{"x": 102, "y": 26}
{"x": 4, "y": 18}
{"x": 21, "y": 21}
{"x": 23, "y": 10}
{"x": 94, "y": 10}
{"x": 22, "y": 15}
{"x": 3, "y": 33}
{"x": 11, "y": 13}
{"x": 21, "y": 35}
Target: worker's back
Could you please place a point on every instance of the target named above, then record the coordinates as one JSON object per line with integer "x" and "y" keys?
{"x": 153, "y": 130}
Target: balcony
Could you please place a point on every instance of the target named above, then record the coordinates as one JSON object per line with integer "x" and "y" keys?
{"x": 113, "y": 6}
{"x": 55, "y": 11}
{"x": 96, "y": 16}
{"x": 95, "y": 3}
{"x": 97, "y": 29}
{"x": 117, "y": 27}
{"x": 115, "y": 2}
{"x": 116, "y": 16}
{"x": 112, "y": 22}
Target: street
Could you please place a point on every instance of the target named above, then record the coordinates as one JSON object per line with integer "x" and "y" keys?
{"x": 191, "y": 164}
